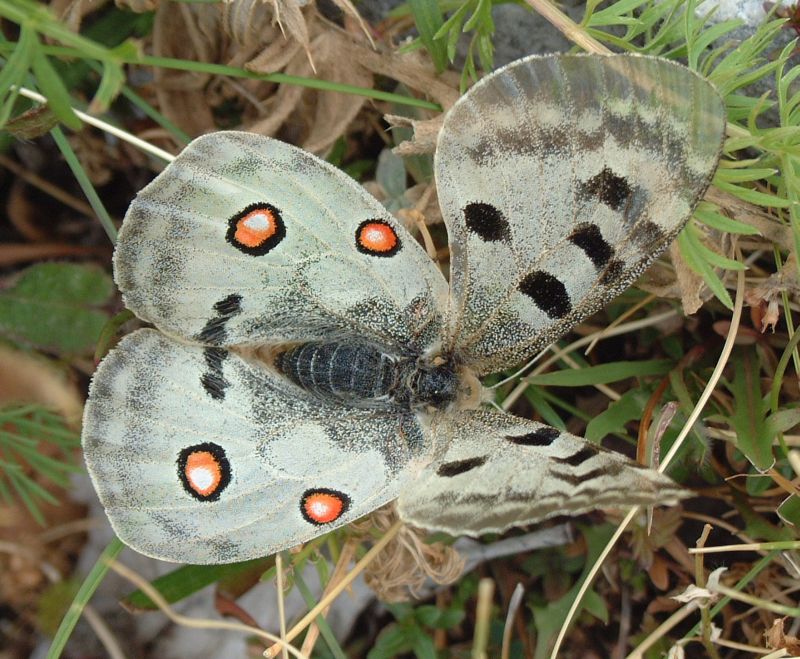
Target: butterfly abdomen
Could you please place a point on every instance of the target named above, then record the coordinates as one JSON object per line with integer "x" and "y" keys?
{"x": 358, "y": 374}
{"x": 362, "y": 375}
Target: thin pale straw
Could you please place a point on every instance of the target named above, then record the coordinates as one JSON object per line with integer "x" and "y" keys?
{"x": 698, "y": 408}
{"x": 104, "y": 125}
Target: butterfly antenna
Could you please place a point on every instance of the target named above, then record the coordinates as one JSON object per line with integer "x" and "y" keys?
{"x": 520, "y": 371}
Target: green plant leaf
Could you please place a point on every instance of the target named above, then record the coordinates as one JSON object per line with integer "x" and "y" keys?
{"x": 111, "y": 83}
{"x": 710, "y": 216}
{"x": 696, "y": 262}
{"x": 549, "y": 618}
{"x": 56, "y": 306}
{"x": 709, "y": 255}
{"x": 543, "y": 407}
{"x": 783, "y": 420}
{"x": 619, "y": 412}
{"x": 58, "y": 98}
{"x": 602, "y": 374}
{"x": 15, "y": 69}
{"x": 391, "y": 642}
{"x": 789, "y": 510}
{"x": 429, "y": 19}
{"x": 753, "y": 433}
{"x": 187, "y": 580}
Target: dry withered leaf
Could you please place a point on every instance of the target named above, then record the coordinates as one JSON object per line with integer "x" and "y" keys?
{"x": 426, "y": 132}
{"x": 690, "y": 284}
{"x": 403, "y": 566}
{"x": 765, "y": 298}
{"x": 72, "y": 12}
{"x": 776, "y": 639}
{"x": 32, "y": 124}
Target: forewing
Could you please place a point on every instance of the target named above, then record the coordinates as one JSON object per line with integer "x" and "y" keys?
{"x": 501, "y": 471}
{"x": 245, "y": 469}
{"x": 247, "y": 240}
{"x": 560, "y": 179}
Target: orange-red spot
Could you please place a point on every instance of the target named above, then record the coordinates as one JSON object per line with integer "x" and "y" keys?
{"x": 253, "y": 229}
{"x": 322, "y": 507}
{"x": 203, "y": 472}
{"x": 377, "y": 237}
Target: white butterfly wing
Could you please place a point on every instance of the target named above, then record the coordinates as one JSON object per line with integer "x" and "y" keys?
{"x": 247, "y": 240}
{"x": 560, "y": 179}
{"x": 189, "y": 476}
{"x": 501, "y": 471}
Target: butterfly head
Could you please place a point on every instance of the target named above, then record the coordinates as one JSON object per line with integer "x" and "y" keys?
{"x": 436, "y": 385}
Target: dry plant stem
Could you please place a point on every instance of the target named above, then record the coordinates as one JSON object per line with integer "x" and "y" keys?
{"x": 604, "y": 389}
{"x": 784, "y": 483}
{"x": 730, "y": 436}
{"x": 325, "y": 602}
{"x": 619, "y": 320}
{"x": 761, "y": 547}
{"x": 103, "y": 632}
{"x": 14, "y": 253}
{"x": 107, "y": 127}
{"x": 419, "y": 218}
{"x": 195, "y": 623}
{"x": 281, "y": 608}
{"x": 483, "y": 618}
{"x": 747, "y": 648}
{"x": 675, "y": 619}
{"x": 714, "y": 521}
{"x": 700, "y": 579}
{"x": 430, "y": 248}
{"x": 633, "y": 326}
{"x": 698, "y": 408}
{"x": 345, "y": 557}
{"x": 513, "y": 607}
{"x": 48, "y": 188}
{"x": 794, "y": 460}
{"x": 569, "y": 28}
{"x": 68, "y": 528}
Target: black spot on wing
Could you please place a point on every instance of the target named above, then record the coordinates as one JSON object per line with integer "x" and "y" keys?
{"x": 213, "y": 380}
{"x": 584, "y": 454}
{"x": 614, "y": 270}
{"x": 647, "y": 234}
{"x": 543, "y": 436}
{"x": 486, "y": 221}
{"x": 610, "y": 470}
{"x": 450, "y": 469}
{"x": 214, "y": 332}
{"x": 547, "y": 293}
{"x": 611, "y": 189}
{"x": 589, "y": 238}
{"x": 229, "y": 306}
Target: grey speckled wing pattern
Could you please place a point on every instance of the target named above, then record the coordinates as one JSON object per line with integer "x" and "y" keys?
{"x": 149, "y": 418}
{"x": 560, "y": 180}
{"x": 309, "y": 363}
{"x": 502, "y": 471}
{"x": 176, "y": 266}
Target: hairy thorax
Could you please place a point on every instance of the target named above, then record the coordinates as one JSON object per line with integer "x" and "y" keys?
{"x": 362, "y": 375}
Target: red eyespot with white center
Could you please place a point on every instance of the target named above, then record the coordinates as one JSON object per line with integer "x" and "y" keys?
{"x": 204, "y": 471}
{"x": 256, "y": 229}
{"x": 378, "y": 238}
{"x": 322, "y": 506}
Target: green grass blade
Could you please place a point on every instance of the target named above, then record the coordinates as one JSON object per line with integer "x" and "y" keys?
{"x": 85, "y": 592}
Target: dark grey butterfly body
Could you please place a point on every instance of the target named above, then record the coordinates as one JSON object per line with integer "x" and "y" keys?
{"x": 365, "y": 376}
